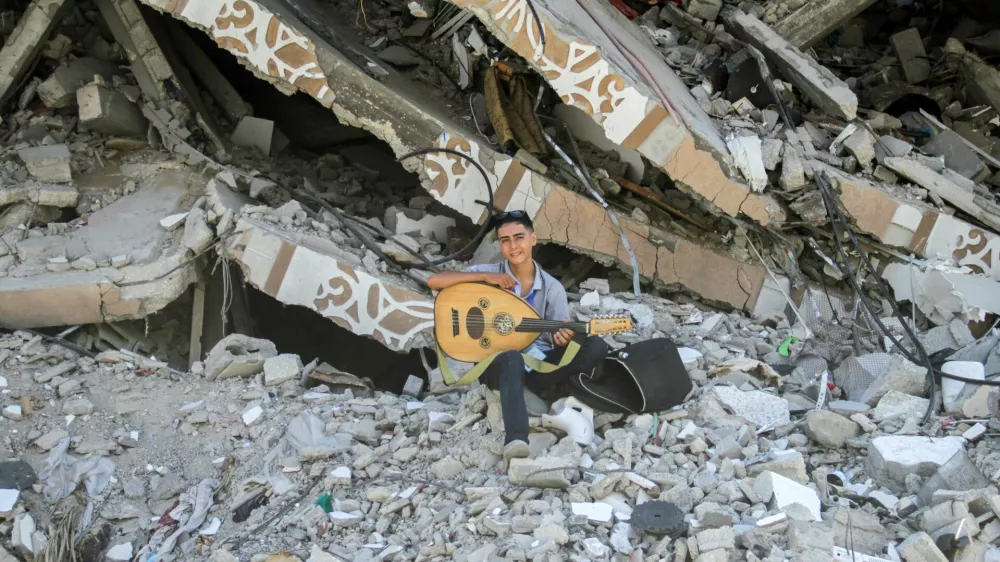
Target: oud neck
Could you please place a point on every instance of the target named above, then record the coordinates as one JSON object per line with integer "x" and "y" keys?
{"x": 550, "y": 326}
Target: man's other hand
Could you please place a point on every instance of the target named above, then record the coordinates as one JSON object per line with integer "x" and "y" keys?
{"x": 502, "y": 280}
{"x": 563, "y": 336}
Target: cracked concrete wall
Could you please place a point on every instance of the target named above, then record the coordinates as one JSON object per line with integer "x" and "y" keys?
{"x": 666, "y": 260}
{"x": 589, "y": 72}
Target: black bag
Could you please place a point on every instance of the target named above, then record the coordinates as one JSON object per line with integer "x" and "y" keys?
{"x": 647, "y": 376}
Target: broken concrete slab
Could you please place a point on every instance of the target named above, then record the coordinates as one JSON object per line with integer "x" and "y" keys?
{"x": 937, "y": 184}
{"x": 815, "y": 21}
{"x": 824, "y": 89}
{"x": 149, "y": 65}
{"x": 760, "y": 408}
{"x": 50, "y": 163}
{"x": 104, "y": 110}
{"x": 59, "y": 89}
{"x": 912, "y": 57}
{"x": 308, "y": 271}
{"x": 892, "y": 458}
{"x": 22, "y": 46}
{"x": 944, "y": 295}
{"x": 46, "y": 195}
{"x": 661, "y": 120}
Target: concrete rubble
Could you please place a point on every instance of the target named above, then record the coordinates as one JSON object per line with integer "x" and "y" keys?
{"x": 214, "y": 321}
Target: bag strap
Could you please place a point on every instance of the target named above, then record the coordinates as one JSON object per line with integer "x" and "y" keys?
{"x": 572, "y": 348}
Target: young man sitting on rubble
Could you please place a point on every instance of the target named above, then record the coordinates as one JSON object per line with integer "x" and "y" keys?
{"x": 508, "y": 373}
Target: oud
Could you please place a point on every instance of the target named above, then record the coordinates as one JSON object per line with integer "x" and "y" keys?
{"x": 473, "y": 321}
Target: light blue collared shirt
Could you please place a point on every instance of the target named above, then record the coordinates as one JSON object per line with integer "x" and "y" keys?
{"x": 547, "y": 297}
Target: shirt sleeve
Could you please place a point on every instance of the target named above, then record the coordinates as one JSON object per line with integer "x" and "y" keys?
{"x": 481, "y": 268}
{"x": 558, "y": 308}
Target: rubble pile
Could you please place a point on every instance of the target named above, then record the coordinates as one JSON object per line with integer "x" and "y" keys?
{"x": 139, "y": 172}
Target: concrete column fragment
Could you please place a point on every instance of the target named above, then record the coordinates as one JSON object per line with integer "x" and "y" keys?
{"x": 28, "y": 38}
{"x": 816, "y": 20}
{"x": 107, "y": 111}
{"x": 824, "y": 89}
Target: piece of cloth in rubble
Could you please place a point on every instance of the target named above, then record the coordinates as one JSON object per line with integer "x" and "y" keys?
{"x": 62, "y": 473}
{"x": 198, "y": 499}
{"x": 512, "y": 112}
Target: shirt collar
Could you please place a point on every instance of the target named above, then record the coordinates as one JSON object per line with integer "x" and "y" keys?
{"x": 537, "y": 285}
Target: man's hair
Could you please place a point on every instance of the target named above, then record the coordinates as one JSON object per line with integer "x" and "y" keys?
{"x": 523, "y": 219}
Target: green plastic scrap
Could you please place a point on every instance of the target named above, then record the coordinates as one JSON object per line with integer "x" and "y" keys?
{"x": 325, "y": 502}
{"x": 783, "y": 348}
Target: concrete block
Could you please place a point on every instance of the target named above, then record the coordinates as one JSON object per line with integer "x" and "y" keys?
{"x": 760, "y": 408}
{"x": 919, "y": 547}
{"x": 256, "y": 133}
{"x": 48, "y": 163}
{"x": 59, "y": 89}
{"x": 54, "y": 195}
{"x": 901, "y": 376}
{"x": 830, "y": 429}
{"x": 957, "y": 155}
{"x": 107, "y": 111}
{"x": 958, "y": 474}
{"x": 866, "y": 535}
{"x": 892, "y": 458}
{"x": 707, "y": 10}
{"x": 793, "y": 172}
{"x": 912, "y": 57}
{"x": 862, "y": 145}
{"x": 898, "y": 405}
{"x": 197, "y": 234}
{"x": 284, "y": 367}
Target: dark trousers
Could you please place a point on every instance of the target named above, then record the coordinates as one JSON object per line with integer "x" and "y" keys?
{"x": 506, "y": 374}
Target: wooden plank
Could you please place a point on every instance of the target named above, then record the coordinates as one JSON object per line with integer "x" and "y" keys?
{"x": 197, "y": 323}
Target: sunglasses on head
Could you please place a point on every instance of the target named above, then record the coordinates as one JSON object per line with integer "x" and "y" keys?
{"x": 511, "y": 215}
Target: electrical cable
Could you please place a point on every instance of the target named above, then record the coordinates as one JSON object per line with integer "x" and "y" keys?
{"x": 541, "y": 26}
{"x": 581, "y": 171}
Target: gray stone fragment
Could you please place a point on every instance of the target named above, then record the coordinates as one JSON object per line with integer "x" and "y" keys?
{"x": 104, "y": 110}
{"x": 707, "y": 10}
{"x": 59, "y": 89}
{"x": 920, "y": 547}
{"x": 901, "y": 375}
{"x": 521, "y": 472}
{"x": 793, "y": 173}
{"x": 284, "y": 367}
{"x": 898, "y": 405}
{"x": 237, "y": 355}
{"x": 830, "y": 429}
{"x": 957, "y": 155}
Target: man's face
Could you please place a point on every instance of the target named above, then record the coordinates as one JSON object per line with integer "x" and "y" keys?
{"x": 516, "y": 242}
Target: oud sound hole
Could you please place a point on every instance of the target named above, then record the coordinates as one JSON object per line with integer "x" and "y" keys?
{"x": 503, "y": 323}
{"x": 475, "y": 322}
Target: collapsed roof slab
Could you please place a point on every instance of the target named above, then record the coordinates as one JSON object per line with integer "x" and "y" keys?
{"x": 158, "y": 271}
{"x": 631, "y": 92}
{"x": 305, "y": 270}
{"x": 294, "y": 57}
{"x": 919, "y": 229}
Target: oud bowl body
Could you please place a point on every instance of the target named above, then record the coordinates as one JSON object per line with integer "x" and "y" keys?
{"x": 473, "y": 321}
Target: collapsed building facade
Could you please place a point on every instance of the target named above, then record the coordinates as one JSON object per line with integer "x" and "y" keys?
{"x": 179, "y": 171}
